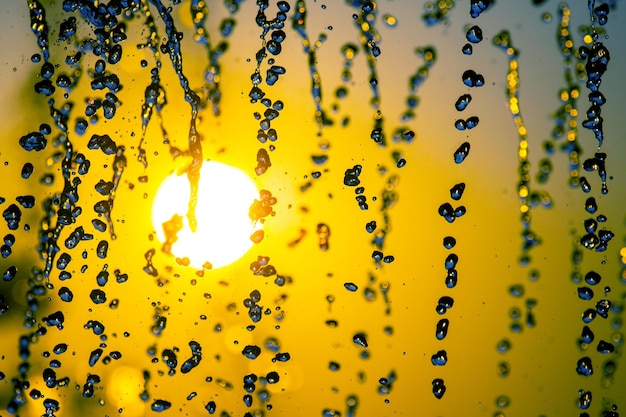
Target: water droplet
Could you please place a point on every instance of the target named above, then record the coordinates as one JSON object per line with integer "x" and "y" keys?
{"x": 461, "y": 153}
{"x": 602, "y": 13}
{"x": 440, "y": 358}
{"x": 351, "y": 176}
{"x": 449, "y": 242}
{"x": 590, "y": 205}
{"x": 98, "y": 296}
{"x": 590, "y": 241}
{"x": 587, "y": 335}
{"x": 360, "y": 339}
{"x": 472, "y": 79}
{"x": 390, "y": 20}
{"x": 462, "y": 102}
{"x": 474, "y": 34}
{"x": 585, "y": 399}
{"x": 592, "y": 278}
{"x": 447, "y": 212}
{"x": 439, "y": 388}
{"x": 272, "y": 377}
{"x": 503, "y": 401}
{"x": 251, "y": 351}
{"x": 605, "y": 347}
{"x": 503, "y": 346}
{"x": 160, "y": 405}
{"x": 584, "y": 366}
{"x": 585, "y": 293}
{"x": 65, "y": 294}
{"x": 451, "y": 278}
{"x": 456, "y": 192}
{"x": 323, "y": 233}
{"x": 451, "y": 261}
{"x": 33, "y": 141}
{"x": 478, "y": 6}
{"x": 503, "y": 369}
{"x": 602, "y": 308}
{"x": 441, "y": 330}
{"x": 589, "y": 315}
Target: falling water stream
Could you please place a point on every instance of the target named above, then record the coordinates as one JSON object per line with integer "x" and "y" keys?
{"x": 386, "y": 139}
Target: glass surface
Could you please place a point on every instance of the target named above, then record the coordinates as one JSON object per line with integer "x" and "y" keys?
{"x": 424, "y": 242}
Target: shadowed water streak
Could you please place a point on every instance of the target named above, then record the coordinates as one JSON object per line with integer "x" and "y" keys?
{"x": 173, "y": 48}
{"x": 299, "y": 24}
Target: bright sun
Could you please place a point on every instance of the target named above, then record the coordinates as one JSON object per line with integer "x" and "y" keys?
{"x": 224, "y": 227}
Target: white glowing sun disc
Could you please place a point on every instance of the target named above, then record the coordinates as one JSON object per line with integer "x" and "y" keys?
{"x": 224, "y": 227}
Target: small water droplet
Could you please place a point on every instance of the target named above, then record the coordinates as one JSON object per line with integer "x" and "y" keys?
{"x": 360, "y": 339}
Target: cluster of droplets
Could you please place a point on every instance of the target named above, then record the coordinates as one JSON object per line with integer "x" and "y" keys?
{"x": 266, "y": 132}
{"x": 587, "y": 339}
{"x": 62, "y": 208}
{"x": 272, "y": 345}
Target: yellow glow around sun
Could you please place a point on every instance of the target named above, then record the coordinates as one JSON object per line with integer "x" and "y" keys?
{"x": 224, "y": 227}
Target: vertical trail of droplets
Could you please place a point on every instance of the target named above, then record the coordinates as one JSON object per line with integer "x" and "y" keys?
{"x": 39, "y": 26}
{"x": 273, "y": 47}
{"x": 470, "y": 79}
{"x": 595, "y": 238}
{"x": 402, "y": 134}
{"x": 369, "y": 37}
{"x": 119, "y": 164}
{"x": 173, "y": 47}
{"x": 214, "y": 50}
{"x": 565, "y": 117}
{"x": 311, "y": 49}
{"x": 66, "y": 207}
{"x": 154, "y": 95}
{"x": 528, "y": 199}
{"x": 429, "y": 55}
